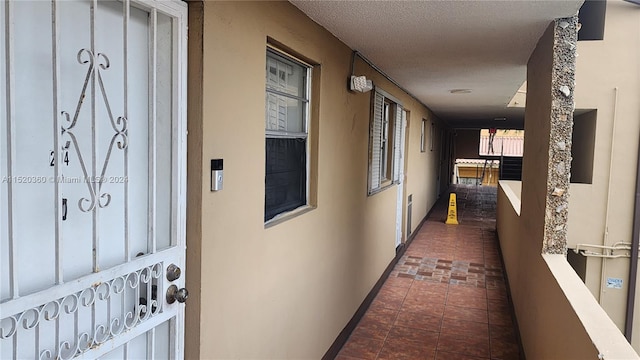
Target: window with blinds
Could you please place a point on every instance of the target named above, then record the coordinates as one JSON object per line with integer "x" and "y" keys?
{"x": 286, "y": 123}
{"x": 385, "y": 142}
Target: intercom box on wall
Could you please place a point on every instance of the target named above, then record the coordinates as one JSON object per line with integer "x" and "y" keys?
{"x": 217, "y": 175}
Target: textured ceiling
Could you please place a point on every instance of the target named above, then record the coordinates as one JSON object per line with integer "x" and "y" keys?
{"x": 432, "y": 47}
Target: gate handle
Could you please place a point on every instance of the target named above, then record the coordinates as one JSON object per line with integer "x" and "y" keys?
{"x": 64, "y": 209}
{"x": 173, "y": 294}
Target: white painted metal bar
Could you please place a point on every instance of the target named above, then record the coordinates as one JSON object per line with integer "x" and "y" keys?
{"x": 141, "y": 328}
{"x": 94, "y": 160}
{"x": 76, "y": 324}
{"x": 175, "y": 123}
{"x": 108, "y": 300}
{"x": 15, "y": 347}
{"x": 94, "y": 143}
{"x": 26, "y": 302}
{"x": 77, "y": 303}
{"x": 151, "y": 344}
{"x": 147, "y": 295}
{"x": 179, "y": 175}
{"x": 55, "y": 46}
{"x": 10, "y": 86}
{"x": 136, "y": 299}
{"x": 182, "y": 133}
{"x": 37, "y": 340}
{"x": 125, "y": 23}
{"x": 127, "y": 245}
{"x": 93, "y": 321}
{"x": 176, "y": 334}
{"x": 57, "y": 335}
{"x": 176, "y": 9}
{"x": 123, "y": 305}
{"x": 153, "y": 62}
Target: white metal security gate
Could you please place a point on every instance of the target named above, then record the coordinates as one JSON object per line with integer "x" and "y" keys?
{"x": 93, "y": 179}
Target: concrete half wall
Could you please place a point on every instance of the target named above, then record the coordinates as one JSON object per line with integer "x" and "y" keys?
{"x": 284, "y": 291}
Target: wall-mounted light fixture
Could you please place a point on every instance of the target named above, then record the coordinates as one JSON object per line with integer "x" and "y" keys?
{"x": 360, "y": 84}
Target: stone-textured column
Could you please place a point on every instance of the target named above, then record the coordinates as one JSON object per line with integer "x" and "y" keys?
{"x": 562, "y": 106}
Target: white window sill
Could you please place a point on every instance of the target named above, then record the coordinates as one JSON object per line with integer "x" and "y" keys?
{"x": 382, "y": 188}
{"x": 280, "y": 218}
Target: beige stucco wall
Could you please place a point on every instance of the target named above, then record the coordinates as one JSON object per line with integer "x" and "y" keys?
{"x": 424, "y": 188}
{"x": 544, "y": 315}
{"x": 285, "y": 291}
{"x": 421, "y": 167}
{"x": 550, "y": 299}
{"x": 606, "y": 69}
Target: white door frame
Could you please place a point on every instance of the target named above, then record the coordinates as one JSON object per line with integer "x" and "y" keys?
{"x": 400, "y": 188}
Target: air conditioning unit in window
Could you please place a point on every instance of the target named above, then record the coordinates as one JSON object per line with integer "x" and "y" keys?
{"x": 360, "y": 84}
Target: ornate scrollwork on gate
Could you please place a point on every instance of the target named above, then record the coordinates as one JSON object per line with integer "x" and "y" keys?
{"x": 97, "y": 63}
{"x": 119, "y": 297}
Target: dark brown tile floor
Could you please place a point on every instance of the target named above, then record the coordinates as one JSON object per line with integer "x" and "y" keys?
{"x": 446, "y": 299}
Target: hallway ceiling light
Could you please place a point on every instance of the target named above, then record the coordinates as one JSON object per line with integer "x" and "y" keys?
{"x": 460, "y": 91}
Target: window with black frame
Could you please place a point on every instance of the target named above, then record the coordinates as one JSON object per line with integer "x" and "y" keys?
{"x": 286, "y": 130}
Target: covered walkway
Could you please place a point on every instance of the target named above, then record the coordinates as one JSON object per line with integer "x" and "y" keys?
{"x": 446, "y": 299}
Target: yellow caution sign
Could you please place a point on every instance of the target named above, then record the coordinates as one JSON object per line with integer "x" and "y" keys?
{"x": 452, "y": 214}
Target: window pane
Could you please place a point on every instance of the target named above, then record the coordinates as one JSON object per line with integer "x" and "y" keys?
{"x": 284, "y": 113}
{"x": 286, "y": 76}
{"x": 286, "y": 172}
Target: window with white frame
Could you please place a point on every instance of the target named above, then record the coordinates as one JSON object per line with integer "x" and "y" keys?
{"x": 286, "y": 130}
{"x": 385, "y": 142}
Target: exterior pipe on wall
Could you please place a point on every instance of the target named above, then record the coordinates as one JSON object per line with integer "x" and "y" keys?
{"x": 613, "y": 143}
{"x": 633, "y": 266}
{"x": 603, "y": 269}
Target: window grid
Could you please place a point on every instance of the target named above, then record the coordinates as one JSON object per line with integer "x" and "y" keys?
{"x": 287, "y": 93}
{"x": 279, "y": 69}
